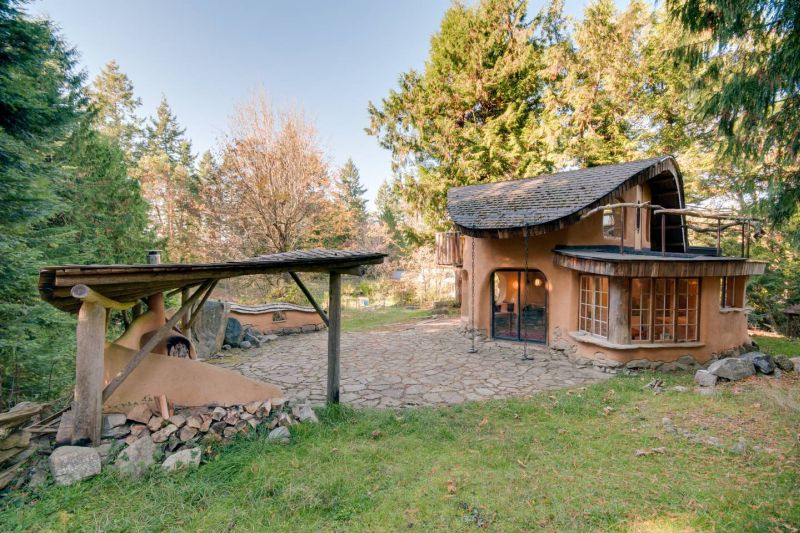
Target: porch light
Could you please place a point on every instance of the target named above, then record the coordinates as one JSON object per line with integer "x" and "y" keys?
{"x": 537, "y": 282}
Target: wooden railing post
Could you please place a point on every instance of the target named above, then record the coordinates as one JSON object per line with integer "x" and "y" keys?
{"x": 334, "y": 334}
{"x": 88, "y": 407}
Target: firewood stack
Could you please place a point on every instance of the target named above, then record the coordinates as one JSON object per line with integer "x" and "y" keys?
{"x": 177, "y": 428}
{"x": 17, "y": 440}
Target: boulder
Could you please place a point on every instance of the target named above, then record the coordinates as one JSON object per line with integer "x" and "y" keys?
{"x": 115, "y": 433}
{"x": 233, "y": 332}
{"x": 763, "y": 362}
{"x": 784, "y": 363}
{"x": 637, "y": 364}
{"x": 732, "y": 368}
{"x": 70, "y": 464}
{"x": 189, "y": 458}
{"x": 704, "y": 378}
{"x": 163, "y": 434}
{"x": 113, "y": 420}
{"x": 252, "y": 336}
{"x": 140, "y": 413}
{"x": 137, "y": 457}
{"x": 245, "y": 345}
{"x": 209, "y": 327}
{"x": 280, "y": 435}
{"x": 307, "y": 414}
{"x": 796, "y": 363}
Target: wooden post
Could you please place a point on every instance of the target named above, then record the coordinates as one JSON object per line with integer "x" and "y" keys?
{"x": 663, "y": 234}
{"x": 619, "y": 298}
{"x": 622, "y": 233}
{"x": 334, "y": 333}
{"x": 88, "y": 408}
{"x": 719, "y": 237}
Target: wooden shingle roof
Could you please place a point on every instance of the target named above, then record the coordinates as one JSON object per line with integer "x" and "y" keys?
{"x": 549, "y": 202}
{"x": 128, "y": 283}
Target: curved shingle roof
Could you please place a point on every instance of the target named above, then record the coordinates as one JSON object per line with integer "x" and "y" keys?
{"x": 551, "y": 201}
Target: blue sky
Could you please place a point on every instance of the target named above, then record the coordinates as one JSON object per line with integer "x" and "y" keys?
{"x": 330, "y": 58}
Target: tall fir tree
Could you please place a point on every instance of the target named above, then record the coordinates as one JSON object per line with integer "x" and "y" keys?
{"x": 40, "y": 100}
{"x": 115, "y": 107}
{"x": 744, "y": 57}
{"x": 473, "y": 114}
{"x": 169, "y": 182}
{"x": 350, "y": 192}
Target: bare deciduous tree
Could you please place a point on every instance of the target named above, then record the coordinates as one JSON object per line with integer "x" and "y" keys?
{"x": 278, "y": 178}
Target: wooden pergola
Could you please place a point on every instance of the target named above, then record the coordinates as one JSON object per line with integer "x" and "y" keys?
{"x": 92, "y": 291}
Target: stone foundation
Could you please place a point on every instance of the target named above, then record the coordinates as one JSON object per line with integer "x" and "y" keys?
{"x": 600, "y": 360}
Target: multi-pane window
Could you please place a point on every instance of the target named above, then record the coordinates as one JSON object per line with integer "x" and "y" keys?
{"x": 664, "y": 309}
{"x": 593, "y": 309}
{"x": 641, "y": 296}
{"x": 686, "y": 310}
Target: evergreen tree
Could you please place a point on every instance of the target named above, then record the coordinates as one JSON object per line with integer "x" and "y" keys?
{"x": 39, "y": 102}
{"x": 115, "y": 106}
{"x": 473, "y": 114}
{"x": 103, "y": 208}
{"x": 169, "y": 183}
{"x": 164, "y": 134}
{"x": 350, "y": 193}
{"x": 745, "y": 56}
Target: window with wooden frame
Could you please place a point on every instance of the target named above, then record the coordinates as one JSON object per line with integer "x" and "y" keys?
{"x": 612, "y": 224}
{"x": 731, "y": 292}
{"x": 279, "y": 316}
{"x": 664, "y": 309}
{"x": 593, "y": 306}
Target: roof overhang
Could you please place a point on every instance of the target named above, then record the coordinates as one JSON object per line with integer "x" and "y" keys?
{"x": 130, "y": 283}
{"x": 476, "y": 224}
{"x": 654, "y": 265}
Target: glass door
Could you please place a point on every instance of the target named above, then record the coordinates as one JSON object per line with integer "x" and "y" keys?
{"x": 519, "y": 305}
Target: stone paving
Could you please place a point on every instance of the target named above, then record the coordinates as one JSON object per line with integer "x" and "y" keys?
{"x": 423, "y": 363}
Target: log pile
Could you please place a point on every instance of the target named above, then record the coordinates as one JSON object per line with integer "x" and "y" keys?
{"x": 18, "y": 439}
{"x": 178, "y": 428}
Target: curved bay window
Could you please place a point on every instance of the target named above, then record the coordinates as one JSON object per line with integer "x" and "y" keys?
{"x": 593, "y": 309}
{"x": 664, "y": 309}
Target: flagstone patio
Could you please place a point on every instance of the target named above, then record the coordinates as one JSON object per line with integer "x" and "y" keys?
{"x": 421, "y": 363}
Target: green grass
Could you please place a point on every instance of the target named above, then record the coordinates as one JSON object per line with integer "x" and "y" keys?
{"x": 365, "y": 319}
{"x": 778, "y": 345}
{"x": 553, "y": 462}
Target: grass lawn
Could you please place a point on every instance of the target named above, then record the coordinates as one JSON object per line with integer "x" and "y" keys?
{"x": 778, "y": 345}
{"x": 553, "y": 462}
{"x": 364, "y": 319}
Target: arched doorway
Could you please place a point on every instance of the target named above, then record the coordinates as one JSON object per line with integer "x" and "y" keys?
{"x": 519, "y": 305}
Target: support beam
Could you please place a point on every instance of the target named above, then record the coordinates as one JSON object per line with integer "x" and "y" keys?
{"x": 188, "y": 316}
{"x": 91, "y": 334}
{"x": 310, "y": 298}
{"x": 334, "y": 334}
{"x": 199, "y": 306}
{"x": 157, "y": 337}
{"x": 82, "y": 292}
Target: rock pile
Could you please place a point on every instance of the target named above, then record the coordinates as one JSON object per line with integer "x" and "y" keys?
{"x": 144, "y": 436}
{"x": 742, "y": 366}
{"x": 244, "y": 336}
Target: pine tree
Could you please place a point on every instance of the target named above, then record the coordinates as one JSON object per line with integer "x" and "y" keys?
{"x": 164, "y": 134}
{"x": 115, "y": 106}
